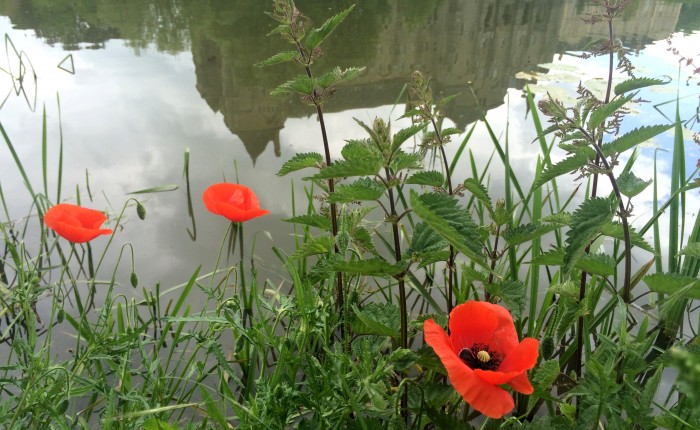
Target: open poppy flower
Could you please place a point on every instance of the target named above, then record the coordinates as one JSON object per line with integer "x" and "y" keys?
{"x": 75, "y": 223}
{"x": 481, "y": 353}
{"x": 232, "y": 201}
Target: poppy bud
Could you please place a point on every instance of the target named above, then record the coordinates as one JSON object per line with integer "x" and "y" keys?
{"x": 134, "y": 279}
{"x": 140, "y": 211}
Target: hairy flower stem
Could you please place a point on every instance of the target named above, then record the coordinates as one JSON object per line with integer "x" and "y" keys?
{"x": 494, "y": 258}
{"x": 451, "y": 259}
{"x": 402, "y": 289}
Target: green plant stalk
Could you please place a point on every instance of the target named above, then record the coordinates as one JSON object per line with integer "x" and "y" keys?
{"x": 331, "y": 185}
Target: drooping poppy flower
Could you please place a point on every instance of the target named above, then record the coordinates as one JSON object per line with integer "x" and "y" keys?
{"x": 481, "y": 353}
{"x": 75, "y": 223}
{"x": 233, "y": 201}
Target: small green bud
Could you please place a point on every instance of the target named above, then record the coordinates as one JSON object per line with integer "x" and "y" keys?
{"x": 60, "y": 315}
{"x": 140, "y": 211}
{"x": 62, "y": 407}
{"x": 547, "y": 347}
{"x": 134, "y": 279}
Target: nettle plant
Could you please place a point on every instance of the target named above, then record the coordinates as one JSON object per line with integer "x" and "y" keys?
{"x": 599, "y": 361}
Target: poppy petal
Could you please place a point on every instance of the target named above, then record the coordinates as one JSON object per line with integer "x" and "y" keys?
{"x": 488, "y": 399}
{"x": 504, "y": 338}
{"x": 232, "y": 201}
{"x": 75, "y": 223}
{"x": 472, "y": 323}
{"x": 495, "y": 377}
{"x": 521, "y": 384}
{"x": 522, "y": 357}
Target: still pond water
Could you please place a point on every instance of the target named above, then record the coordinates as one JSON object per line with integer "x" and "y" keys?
{"x": 142, "y": 81}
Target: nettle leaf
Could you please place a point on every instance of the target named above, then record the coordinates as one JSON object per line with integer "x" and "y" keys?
{"x": 312, "y": 220}
{"x": 527, "y": 232}
{"x": 337, "y": 75}
{"x": 670, "y": 283}
{"x": 451, "y": 221}
{"x": 586, "y": 223}
{"x": 317, "y": 35}
{"x": 431, "y": 178}
{"x": 597, "y": 264}
{"x": 370, "y": 267}
{"x": 362, "y": 238}
{"x": 344, "y": 169}
{"x": 280, "y": 57}
{"x": 404, "y": 134}
{"x": 449, "y": 131}
{"x": 692, "y": 249}
{"x": 633, "y": 138}
{"x": 630, "y": 185}
{"x": 383, "y": 319}
{"x": 363, "y": 189}
{"x": 404, "y": 161}
{"x": 363, "y": 148}
{"x": 615, "y": 230}
{"x": 424, "y": 243}
{"x": 301, "y": 84}
{"x": 567, "y": 165}
{"x": 599, "y": 115}
{"x": 480, "y": 192}
{"x": 549, "y": 258}
{"x": 512, "y": 293}
{"x": 314, "y": 246}
{"x": 301, "y": 161}
{"x": 636, "y": 83}
{"x": 563, "y": 218}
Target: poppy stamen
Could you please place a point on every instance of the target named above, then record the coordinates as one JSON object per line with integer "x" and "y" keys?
{"x": 480, "y": 356}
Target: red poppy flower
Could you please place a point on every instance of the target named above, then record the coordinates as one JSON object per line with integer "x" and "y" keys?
{"x": 481, "y": 353}
{"x": 75, "y": 223}
{"x": 233, "y": 201}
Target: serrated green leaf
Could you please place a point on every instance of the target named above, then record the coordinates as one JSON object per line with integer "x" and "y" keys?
{"x": 600, "y": 114}
{"x": 314, "y": 246}
{"x": 511, "y": 292}
{"x": 344, "y": 169}
{"x": 425, "y": 243}
{"x": 567, "y": 165}
{"x": 586, "y": 223}
{"x": 301, "y": 161}
{"x": 337, "y": 75}
{"x": 614, "y": 229}
{"x": 563, "y": 218}
{"x": 383, "y": 319}
{"x": 550, "y": 258}
{"x": 280, "y": 57}
{"x": 301, "y": 84}
{"x": 527, "y": 232}
{"x": 404, "y": 134}
{"x": 692, "y": 249}
{"x": 312, "y": 220}
{"x": 317, "y": 35}
{"x": 670, "y": 283}
{"x": 596, "y": 264}
{"x": 480, "y": 192}
{"x": 630, "y": 185}
{"x": 449, "y": 131}
{"x": 359, "y": 149}
{"x": 633, "y": 138}
{"x": 635, "y": 84}
{"x": 444, "y": 421}
{"x": 370, "y": 267}
{"x": 402, "y": 358}
{"x": 364, "y": 189}
{"x": 452, "y": 222}
{"x": 404, "y": 161}
{"x": 430, "y": 178}
{"x": 362, "y": 239}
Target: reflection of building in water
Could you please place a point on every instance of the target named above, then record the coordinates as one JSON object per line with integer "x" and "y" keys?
{"x": 457, "y": 44}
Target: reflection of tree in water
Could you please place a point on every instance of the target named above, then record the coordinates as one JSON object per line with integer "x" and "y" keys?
{"x": 453, "y": 41}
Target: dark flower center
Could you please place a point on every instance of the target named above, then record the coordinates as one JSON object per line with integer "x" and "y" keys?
{"x": 479, "y": 356}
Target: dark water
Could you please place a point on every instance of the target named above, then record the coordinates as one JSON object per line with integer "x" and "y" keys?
{"x": 140, "y": 82}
